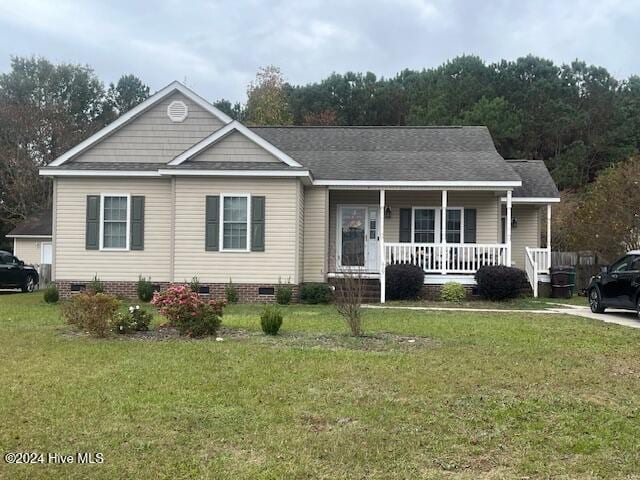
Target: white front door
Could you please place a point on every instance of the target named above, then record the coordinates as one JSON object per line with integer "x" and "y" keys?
{"x": 358, "y": 244}
{"x": 45, "y": 253}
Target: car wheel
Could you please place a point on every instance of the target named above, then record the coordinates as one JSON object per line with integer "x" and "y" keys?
{"x": 638, "y": 307}
{"x": 595, "y": 302}
{"x": 29, "y": 285}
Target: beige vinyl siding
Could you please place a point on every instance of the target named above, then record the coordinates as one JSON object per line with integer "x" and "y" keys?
{"x": 235, "y": 147}
{"x": 486, "y": 204}
{"x": 153, "y": 137}
{"x": 29, "y": 250}
{"x": 74, "y": 262}
{"x": 281, "y": 232}
{"x": 316, "y": 225}
{"x": 527, "y": 232}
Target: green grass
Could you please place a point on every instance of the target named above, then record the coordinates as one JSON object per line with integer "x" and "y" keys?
{"x": 524, "y": 303}
{"x": 497, "y": 395}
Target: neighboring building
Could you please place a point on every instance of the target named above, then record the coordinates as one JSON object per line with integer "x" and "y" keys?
{"x": 32, "y": 239}
{"x": 175, "y": 189}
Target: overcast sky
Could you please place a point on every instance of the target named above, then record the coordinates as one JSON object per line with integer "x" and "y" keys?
{"x": 217, "y": 46}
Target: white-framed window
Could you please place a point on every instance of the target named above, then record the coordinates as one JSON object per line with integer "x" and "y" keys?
{"x": 235, "y": 220}
{"x": 426, "y": 225}
{"x": 115, "y": 217}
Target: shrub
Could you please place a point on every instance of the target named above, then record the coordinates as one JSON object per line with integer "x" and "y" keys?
{"x": 314, "y": 293}
{"x": 500, "y": 282}
{"x": 135, "y": 320}
{"x": 194, "y": 284}
{"x": 404, "y": 281}
{"x": 271, "y": 320}
{"x": 144, "y": 289}
{"x": 92, "y": 313}
{"x": 453, "y": 292}
{"x": 284, "y": 292}
{"x": 96, "y": 285}
{"x": 188, "y": 312}
{"x": 231, "y": 293}
{"x": 51, "y": 294}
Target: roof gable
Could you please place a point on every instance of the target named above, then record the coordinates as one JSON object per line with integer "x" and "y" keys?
{"x": 220, "y": 135}
{"x": 135, "y": 134}
{"x": 234, "y": 147}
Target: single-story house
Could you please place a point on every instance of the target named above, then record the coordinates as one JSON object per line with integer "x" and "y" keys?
{"x": 176, "y": 189}
{"x": 32, "y": 239}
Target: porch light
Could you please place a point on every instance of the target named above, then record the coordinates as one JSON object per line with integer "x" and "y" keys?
{"x": 387, "y": 212}
{"x": 514, "y": 222}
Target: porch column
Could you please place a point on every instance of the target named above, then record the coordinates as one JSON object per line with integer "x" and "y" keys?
{"x": 549, "y": 236}
{"x": 383, "y": 292}
{"x": 443, "y": 234}
{"x": 508, "y": 228}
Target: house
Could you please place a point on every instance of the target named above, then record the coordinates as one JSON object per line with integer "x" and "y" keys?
{"x": 176, "y": 189}
{"x": 32, "y": 239}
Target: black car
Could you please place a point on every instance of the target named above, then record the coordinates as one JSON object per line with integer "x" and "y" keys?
{"x": 618, "y": 286}
{"x": 15, "y": 274}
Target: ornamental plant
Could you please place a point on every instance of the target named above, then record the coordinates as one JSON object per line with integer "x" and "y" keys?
{"x": 91, "y": 313}
{"x": 188, "y": 312}
{"x": 270, "y": 320}
{"x": 135, "y": 320}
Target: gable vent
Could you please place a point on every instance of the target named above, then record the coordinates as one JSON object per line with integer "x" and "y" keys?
{"x": 177, "y": 111}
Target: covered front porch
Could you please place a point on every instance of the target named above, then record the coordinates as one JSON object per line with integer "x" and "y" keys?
{"x": 449, "y": 233}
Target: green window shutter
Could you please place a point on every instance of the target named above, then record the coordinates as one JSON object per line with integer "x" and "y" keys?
{"x": 405, "y": 225}
{"x": 212, "y": 224}
{"x": 137, "y": 223}
{"x": 92, "y": 232}
{"x": 470, "y": 225}
{"x": 257, "y": 224}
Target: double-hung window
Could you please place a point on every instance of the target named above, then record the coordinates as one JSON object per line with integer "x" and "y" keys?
{"x": 235, "y": 216}
{"x": 454, "y": 225}
{"x": 115, "y": 216}
{"x": 424, "y": 225}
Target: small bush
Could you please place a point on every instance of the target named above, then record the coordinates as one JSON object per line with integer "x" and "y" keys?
{"x": 500, "y": 282}
{"x": 231, "y": 293}
{"x": 194, "y": 285}
{"x": 453, "y": 292}
{"x": 314, "y": 293}
{"x": 144, "y": 289}
{"x": 96, "y": 285}
{"x": 404, "y": 281}
{"x": 92, "y": 313}
{"x": 284, "y": 292}
{"x": 135, "y": 320}
{"x": 271, "y": 320}
{"x": 51, "y": 294}
{"x": 188, "y": 312}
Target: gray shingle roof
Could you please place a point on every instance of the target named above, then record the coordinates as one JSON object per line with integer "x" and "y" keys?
{"x": 38, "y": 224}
{"x": 536, "y": 179}
{"x": 132, "y": 166}
{"x": 202, "y": 165}
{"x": 392, "y": 153}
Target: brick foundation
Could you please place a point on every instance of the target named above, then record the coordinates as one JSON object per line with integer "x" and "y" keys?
{"x": 247, "y": 292}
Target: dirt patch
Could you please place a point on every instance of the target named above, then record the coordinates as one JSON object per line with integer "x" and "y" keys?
{"x": 378, "y": 342}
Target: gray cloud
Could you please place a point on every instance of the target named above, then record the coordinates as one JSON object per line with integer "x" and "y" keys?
{"x": 217, "y": 46}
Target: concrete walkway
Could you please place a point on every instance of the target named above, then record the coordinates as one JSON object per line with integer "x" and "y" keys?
{"x": 620, "y": 317}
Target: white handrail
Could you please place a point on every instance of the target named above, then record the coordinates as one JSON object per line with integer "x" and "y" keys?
{"x": 541, "y": 258}
{"x": 531, "y": 268}
{"x": 463, "y": 258}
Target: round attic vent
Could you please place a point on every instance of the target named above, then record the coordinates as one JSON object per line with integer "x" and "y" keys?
{"x": 177, "y": 111}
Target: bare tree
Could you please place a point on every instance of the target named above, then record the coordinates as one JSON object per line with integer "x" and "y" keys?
{"x": 348, "y": 298}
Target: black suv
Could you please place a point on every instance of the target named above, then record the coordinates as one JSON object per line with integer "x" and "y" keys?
{"x": 15, "y": 274}
{"x": 618, "y": 286}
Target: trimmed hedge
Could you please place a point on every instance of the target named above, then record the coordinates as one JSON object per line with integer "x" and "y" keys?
{"x": 314, "y": 293}
{"x": 404, "y": 281}
{"x": 500, "y": 282}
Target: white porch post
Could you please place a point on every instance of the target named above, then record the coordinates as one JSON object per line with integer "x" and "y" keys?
{"x": 443, "y": 233}
{"x": 549, "y": 236}
{"x": 383, "y": 292}
{"x": 508, "y": 228}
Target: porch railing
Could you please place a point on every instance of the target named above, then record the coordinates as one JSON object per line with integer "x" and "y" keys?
{"x": 541, "y": 258}
{"x": 460, "y": 258}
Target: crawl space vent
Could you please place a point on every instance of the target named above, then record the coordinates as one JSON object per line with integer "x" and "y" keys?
{"x": 177, "y": 111}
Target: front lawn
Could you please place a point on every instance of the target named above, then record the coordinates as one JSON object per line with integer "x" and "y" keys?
{"x": 491, "y": 395}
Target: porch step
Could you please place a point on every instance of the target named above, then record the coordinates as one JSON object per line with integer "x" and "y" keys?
{"x": 371, "y": 293}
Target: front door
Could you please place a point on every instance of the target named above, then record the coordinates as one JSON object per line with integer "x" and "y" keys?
{"x": 358, "y": 238}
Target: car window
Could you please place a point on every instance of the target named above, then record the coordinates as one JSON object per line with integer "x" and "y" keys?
{"x": 4, "y": 259}
{"x": 621, "y": 265}
{"x": 635, "y": 264}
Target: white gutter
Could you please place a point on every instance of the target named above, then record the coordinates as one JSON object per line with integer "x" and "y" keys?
{"x": 532, "y": 200}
